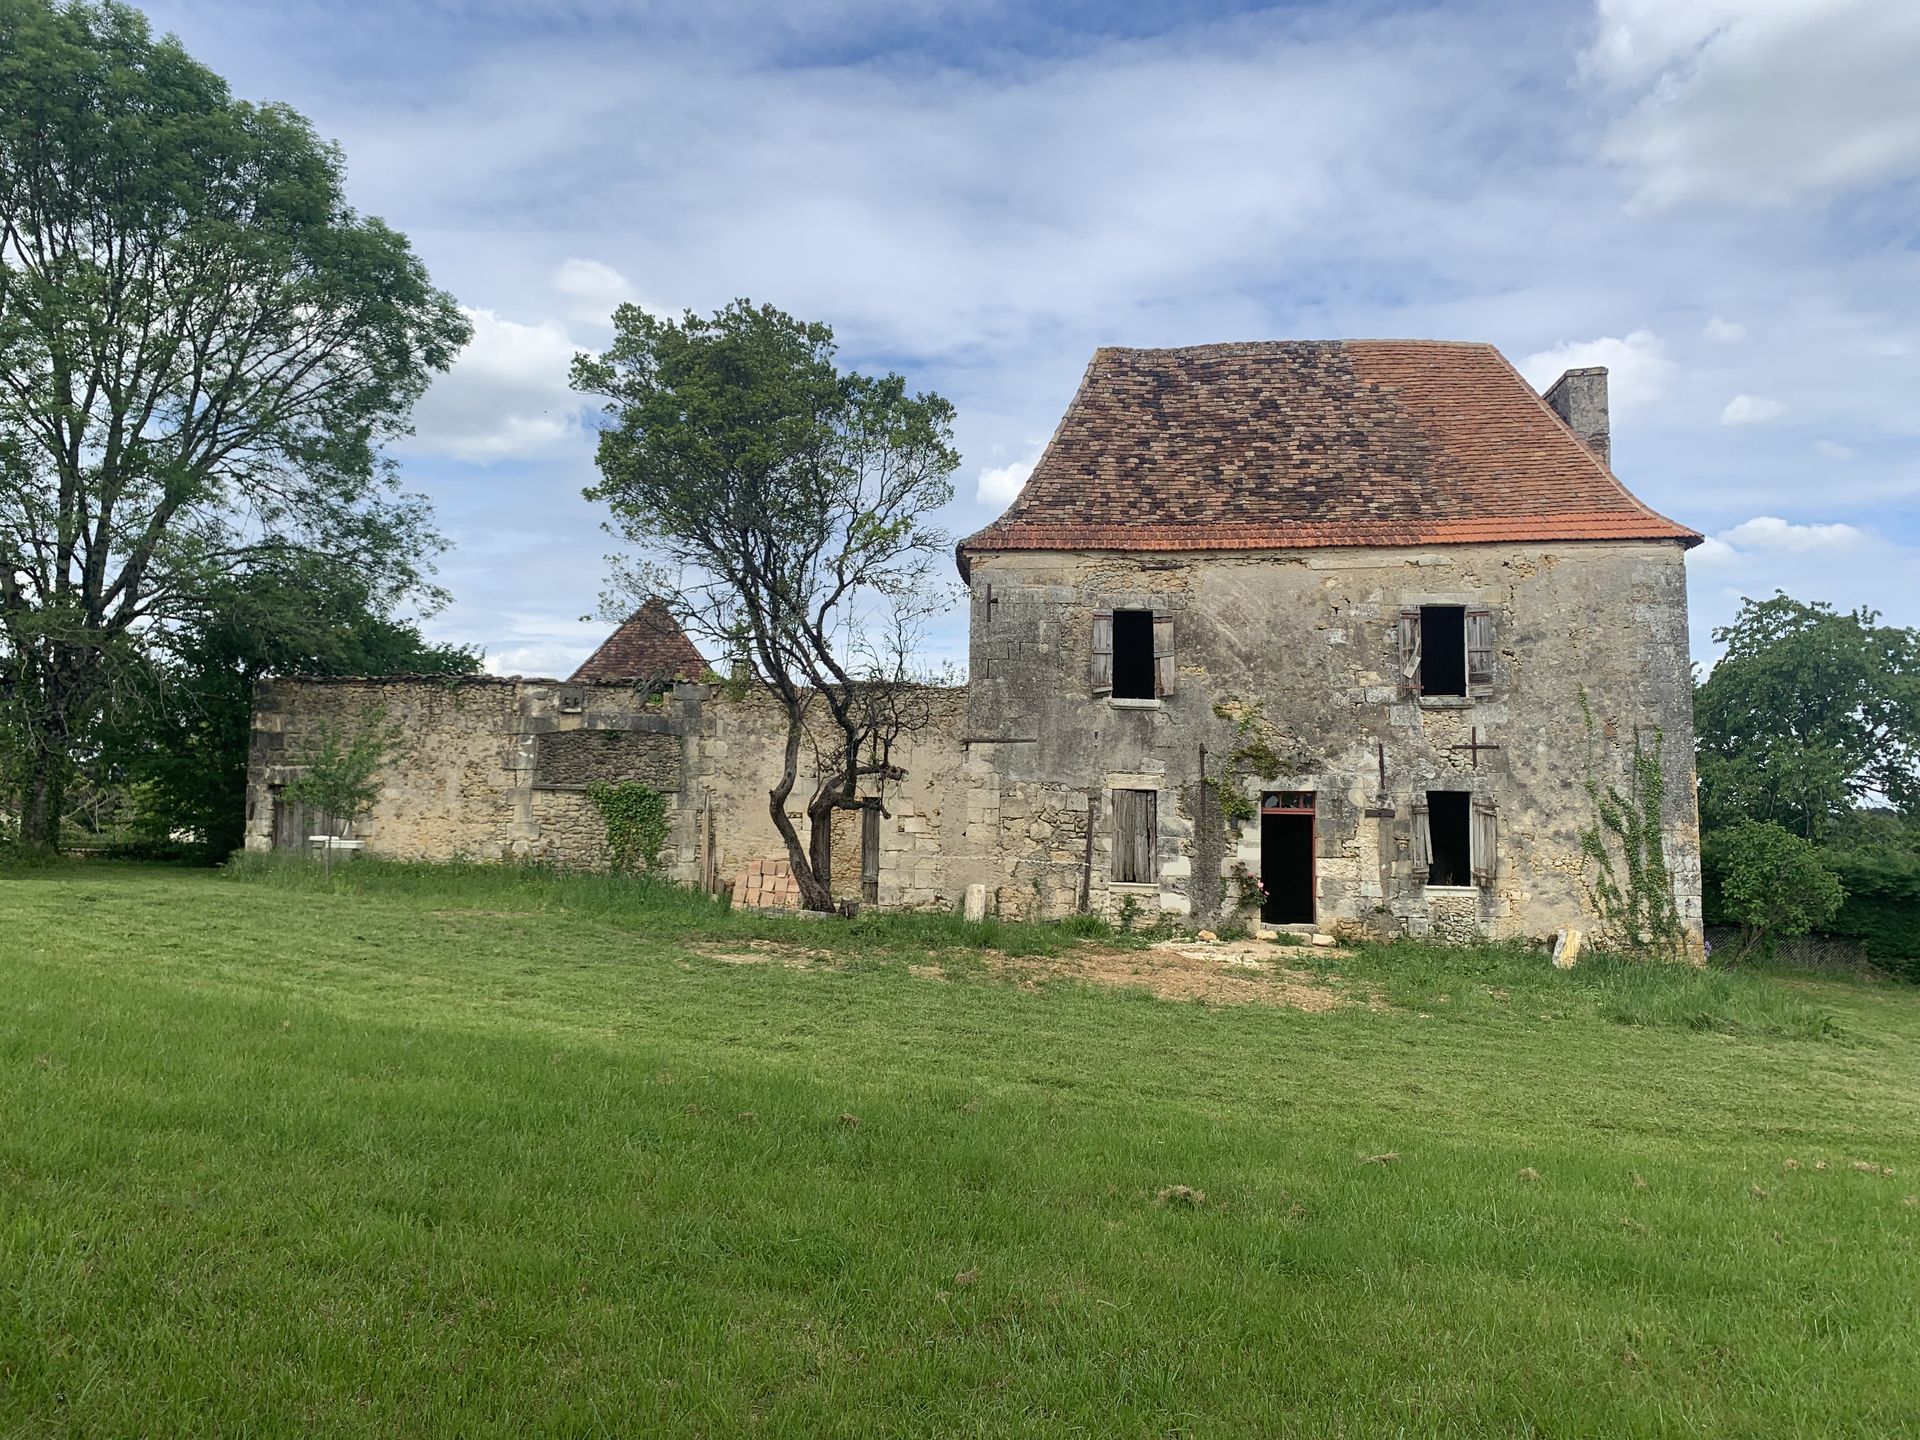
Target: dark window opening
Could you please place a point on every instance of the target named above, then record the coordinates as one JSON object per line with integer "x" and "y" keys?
{"x": 1133, "y": 654}
{"x": 1451, "y": 837}
{"x": 1134, "y": 827}
{"x": 1443, "y": 649}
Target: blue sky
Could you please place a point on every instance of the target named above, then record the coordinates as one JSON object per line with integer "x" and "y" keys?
{"x": 1716, "y": 198}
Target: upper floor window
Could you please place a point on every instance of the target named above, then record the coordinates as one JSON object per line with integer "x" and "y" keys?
{"x": 1132, "y": 654}
{"x": 1446, "y": 650}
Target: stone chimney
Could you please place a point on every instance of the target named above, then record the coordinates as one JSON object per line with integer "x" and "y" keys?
{"x": 1579, "y": 397}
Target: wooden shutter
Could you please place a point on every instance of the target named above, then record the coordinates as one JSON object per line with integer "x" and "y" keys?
{"x": 1422, "y": 852}
{"x": 1409, "y": 634}
{"x": 1134, "y": 817}
{"x": 1162, "y": 653}
{"x": 1485, "y": 854}
{"x": 870, "y": 855}
{"x": 1102, "y": 656}
{"x": 1479, "y": 652}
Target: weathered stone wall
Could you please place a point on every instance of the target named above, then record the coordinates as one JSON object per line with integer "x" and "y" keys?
{"x": 467, "y": 779}
{"x": 1293, "y": 656}
{"x": 494, "y": 769}
{"x": 1285, "y": 678}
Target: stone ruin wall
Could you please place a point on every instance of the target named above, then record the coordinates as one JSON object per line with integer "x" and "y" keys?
{"x": 496, "y": 769}
{"x": 1009, "y": 786}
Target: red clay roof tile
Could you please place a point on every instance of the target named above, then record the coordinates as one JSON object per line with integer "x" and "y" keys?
{"x": 1285, "y": 444}
{"x": 648, "y": 648}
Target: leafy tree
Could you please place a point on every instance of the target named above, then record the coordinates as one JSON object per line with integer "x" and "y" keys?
{"x": 1770, "y": 882}
{"x": 202, "y": 349}
{"x": 1811, "y": 713}
{"x": 780, "y": 506}
{"x": 184, "y": 744}
{"x": 341, "y": 765}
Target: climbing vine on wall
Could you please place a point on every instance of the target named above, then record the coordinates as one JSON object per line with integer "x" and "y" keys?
{"x": 1628, "y": 884}
{"x": 636, "y": 819}
{"x": 1253, "y": 754}
{"x": 1261, "y": 750}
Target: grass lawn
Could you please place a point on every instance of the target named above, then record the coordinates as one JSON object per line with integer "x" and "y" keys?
{"x": 451, "y": 1152}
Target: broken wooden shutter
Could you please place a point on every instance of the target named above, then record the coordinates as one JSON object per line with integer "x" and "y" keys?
{"x": 1134, "y": 821}
{"x": 1409, "y": 633}
{"x": 1479, "y": 652}
{"x": 1422, "y": 851}
{"x": 1102, "y": 667}
{"x": 1162, "y": 653}
{"x": 1482, "y": 841}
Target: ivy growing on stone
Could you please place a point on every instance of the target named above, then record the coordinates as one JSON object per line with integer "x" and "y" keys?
{"x": 1630, "y": 887}
{"x": 635, "y": 816}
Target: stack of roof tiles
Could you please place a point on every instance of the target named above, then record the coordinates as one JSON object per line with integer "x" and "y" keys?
{"x": 650, "y": 648}
{"x": 1284, "y": 444}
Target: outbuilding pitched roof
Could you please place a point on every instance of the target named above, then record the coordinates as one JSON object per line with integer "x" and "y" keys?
{"x": 1292, "y": 443}
{"x": 648, "y": 648}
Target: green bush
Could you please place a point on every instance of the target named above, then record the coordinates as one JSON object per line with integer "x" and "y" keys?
{"x": 1882, "y": 908}
{"x": 1770, "y": 882}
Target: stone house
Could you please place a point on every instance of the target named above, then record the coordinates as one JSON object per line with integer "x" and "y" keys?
{"x": 1320, "y": 633}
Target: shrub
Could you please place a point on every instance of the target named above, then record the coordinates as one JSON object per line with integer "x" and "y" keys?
{"x": 1882, "y": 908}
{"x": 1771, "y": 883}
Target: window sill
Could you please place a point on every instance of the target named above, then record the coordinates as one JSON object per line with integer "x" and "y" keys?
{"x": 1135, "y": 887}
{"x": 1446, "y": 702}
{"x": 1453, "y": 889}
{"x": 1120, "y": 703}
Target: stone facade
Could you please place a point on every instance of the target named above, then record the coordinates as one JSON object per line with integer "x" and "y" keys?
{"x": 1284, "y": 677}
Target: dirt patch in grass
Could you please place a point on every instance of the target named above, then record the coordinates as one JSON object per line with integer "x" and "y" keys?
{"x": 1230, "y": 973}
{"x": 766, "y": 952}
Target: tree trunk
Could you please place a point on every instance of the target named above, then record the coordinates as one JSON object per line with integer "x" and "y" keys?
{"x": 46, "y": 797}
{"x": 815, "y": 894}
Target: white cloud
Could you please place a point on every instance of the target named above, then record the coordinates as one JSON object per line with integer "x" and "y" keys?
{"x": 1725, "y": 331}
{"x": 506, "y": 397}
{"x": 999, "y": 485}
{"x": 1713, "y": 551}
{"x": 1760, "y": 102}
{"x": 1833, "y": 450}
{"x": 1638, "y": 370}
{"x": 595, "y": 289}
{"x": 547, "y": 661}
{"x": 1751, "y": 410}
{"x": 1770, "y": 532}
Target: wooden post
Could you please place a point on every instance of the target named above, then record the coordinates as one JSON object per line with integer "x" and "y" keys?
{"x": 1086, "y": 863}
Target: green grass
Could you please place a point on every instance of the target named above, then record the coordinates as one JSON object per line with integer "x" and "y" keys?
{"x": 466, "y": 1151}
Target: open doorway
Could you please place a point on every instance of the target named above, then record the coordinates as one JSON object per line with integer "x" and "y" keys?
{"x": 1286, "y": 857}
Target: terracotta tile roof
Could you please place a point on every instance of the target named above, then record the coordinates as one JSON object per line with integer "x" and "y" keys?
{"x": 1285, "y": 444}
{"x": 648, "y": 648}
